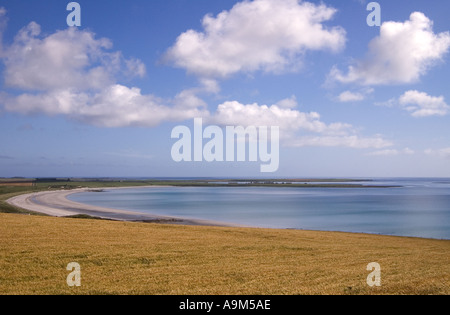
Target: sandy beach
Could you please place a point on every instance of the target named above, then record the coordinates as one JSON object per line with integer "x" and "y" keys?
{"x": 56, "y": 204}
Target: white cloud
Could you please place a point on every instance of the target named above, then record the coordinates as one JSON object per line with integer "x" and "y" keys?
{"x": 68, "y": 58}
{"x": 297, "y": 129}
{"x": 131, "y": 154}
{"x": 420, "y": 104}
{"x": 385, "y": 153}
{"x": 72, "y": 73}
{"x": 188, "y": 98}
{"x": 290, "y": 102}
{"x": 266, "y": 35}
{"x": 389, "y": 103}
{"x": 349, "y": 96}
{"x": 402, "y": 53}
{"x": 350, "y": 141}
{"x": 135, "y": 67}
{"x": 408, "y": 151}
{"x": 443, "y": 153}
{"x": 392, "y": 152}
{"x": 113, "y": 106}
{"x": 235, "y": 113}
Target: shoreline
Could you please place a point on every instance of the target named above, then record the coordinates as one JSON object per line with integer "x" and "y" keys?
{"x": 56, "y": 204}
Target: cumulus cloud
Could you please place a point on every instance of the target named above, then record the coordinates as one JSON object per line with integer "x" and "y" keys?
{"x": 297, "y": 129}
{"x": 265, "y": 35}
{"x": 68, "y": 58}
{"x": 73, "y": 73}
{"x": 402, "y": 53}
{"x": 113, "y": 106}
{"x": 420, "y": 104}
{"x": 232, "y": 113}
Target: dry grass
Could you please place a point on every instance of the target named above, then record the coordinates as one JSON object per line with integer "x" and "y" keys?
{"x": 138, "y": 258}
{"x": 30, "y": 184}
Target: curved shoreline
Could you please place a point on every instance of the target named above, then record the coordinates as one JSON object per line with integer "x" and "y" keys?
{"x": 56, "y": 204}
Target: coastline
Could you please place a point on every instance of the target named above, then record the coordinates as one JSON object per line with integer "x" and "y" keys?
{"x": 56, "y": 204}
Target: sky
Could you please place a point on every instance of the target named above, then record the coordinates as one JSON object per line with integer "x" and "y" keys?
{"x": 102, "y": 99}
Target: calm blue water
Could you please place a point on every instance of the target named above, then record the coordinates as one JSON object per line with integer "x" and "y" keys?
{"x": 420, "y": 208}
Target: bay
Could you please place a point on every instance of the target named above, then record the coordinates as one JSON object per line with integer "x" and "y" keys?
{"x": 417, "y": 208}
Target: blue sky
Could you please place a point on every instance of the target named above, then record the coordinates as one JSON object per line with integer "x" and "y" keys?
{"x": 102, "y": 99}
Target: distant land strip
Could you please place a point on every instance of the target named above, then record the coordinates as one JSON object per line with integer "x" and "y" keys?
{"x": 74, "y": 183}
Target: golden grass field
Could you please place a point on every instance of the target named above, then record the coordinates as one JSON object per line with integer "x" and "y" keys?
{"x": 140, "y": 258}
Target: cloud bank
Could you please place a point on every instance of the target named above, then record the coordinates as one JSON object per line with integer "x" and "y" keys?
{"x": 297, "y": 129}
{"x": 74, "y": 74}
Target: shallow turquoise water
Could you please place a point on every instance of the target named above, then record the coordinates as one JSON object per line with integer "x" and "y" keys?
{"x": 419, "y": 208}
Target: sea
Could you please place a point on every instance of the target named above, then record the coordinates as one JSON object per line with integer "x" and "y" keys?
{"x": 412, "y": 207}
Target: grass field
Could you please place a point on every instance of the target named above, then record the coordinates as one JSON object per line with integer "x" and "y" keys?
{"x": 139, "y": 258}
